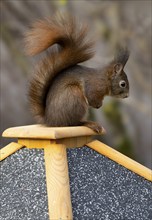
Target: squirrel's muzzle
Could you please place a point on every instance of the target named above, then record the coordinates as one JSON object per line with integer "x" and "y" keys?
{"x": 126, "y": 95}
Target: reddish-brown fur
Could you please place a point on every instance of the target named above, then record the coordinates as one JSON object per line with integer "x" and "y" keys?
{"x": 60, "y": 90}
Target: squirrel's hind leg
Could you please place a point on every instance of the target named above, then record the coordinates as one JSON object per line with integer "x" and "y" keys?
{"x": 65, "y": 108}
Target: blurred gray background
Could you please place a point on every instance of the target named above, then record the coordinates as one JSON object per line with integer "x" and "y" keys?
{"x": 128, "y": 121}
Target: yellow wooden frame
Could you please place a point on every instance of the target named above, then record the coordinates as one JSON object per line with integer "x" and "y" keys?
{"x": 54, "y": 141}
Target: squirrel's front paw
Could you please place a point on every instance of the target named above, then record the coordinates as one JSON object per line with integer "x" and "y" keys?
{"x": 93, "y": 125}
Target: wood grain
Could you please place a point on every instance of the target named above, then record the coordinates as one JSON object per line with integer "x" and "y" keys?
{"x": 43, "y": 132}
{"x": 57, "y": 179}
{"x": 33, "y": 143}
{"x": 69, "y": 142}
{"x": 9, "y": 149}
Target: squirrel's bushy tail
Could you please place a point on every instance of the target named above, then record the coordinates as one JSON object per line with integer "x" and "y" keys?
{"x": 73, "y": 48}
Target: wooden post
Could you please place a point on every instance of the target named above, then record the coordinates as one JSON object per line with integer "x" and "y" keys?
{"x": 54, "y": 141}
{"x": 57, "y": 179}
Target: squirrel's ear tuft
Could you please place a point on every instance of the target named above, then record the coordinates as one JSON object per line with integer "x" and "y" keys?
{"x": 122, "y": 55}
{"x": 118, "y": 67}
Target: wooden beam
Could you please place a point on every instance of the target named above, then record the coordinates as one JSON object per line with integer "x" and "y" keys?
{"x": 57, "y": 179}
{"x": 9, "y": 149}
{"x": 69, "y": 142}
{"x": 121, "y": 159}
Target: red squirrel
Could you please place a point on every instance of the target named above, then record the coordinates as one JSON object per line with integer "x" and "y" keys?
{"x": 61, "y": 90}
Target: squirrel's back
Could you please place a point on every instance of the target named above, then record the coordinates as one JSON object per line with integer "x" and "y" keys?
{"x": 73, "y": 47}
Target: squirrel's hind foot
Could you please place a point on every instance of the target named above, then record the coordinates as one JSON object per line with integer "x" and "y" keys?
{"x": 93, "y": 125}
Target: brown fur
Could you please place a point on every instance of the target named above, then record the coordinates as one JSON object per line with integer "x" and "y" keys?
{"x": 60, "y": 90}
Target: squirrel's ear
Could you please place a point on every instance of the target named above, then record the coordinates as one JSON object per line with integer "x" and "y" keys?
{"x": 118, "y": 67}
{"x": 121, "y": 55}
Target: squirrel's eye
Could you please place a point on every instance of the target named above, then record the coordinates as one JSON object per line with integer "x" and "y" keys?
{"x": 122, "y": 84}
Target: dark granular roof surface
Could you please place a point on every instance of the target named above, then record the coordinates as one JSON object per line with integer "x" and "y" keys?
{"x": 100, "y": 188}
